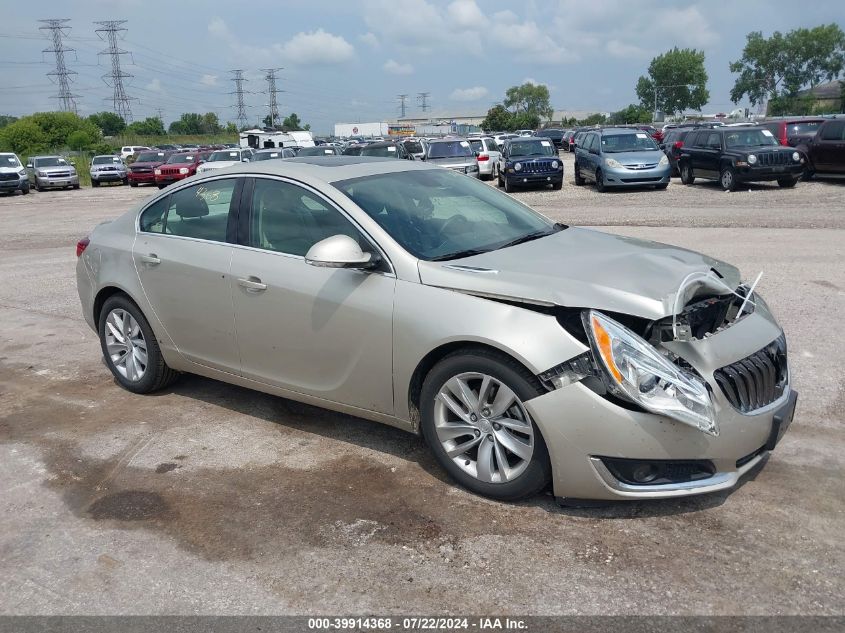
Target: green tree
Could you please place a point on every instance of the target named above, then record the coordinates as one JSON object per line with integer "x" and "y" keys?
{"x": 80, "y": 140}
{"x": 211, "y": 124}
{"x": 593, "y": 119}
{"x": 292, "y": 122}
{"x": 23, "y": 137}
{"x": 776, "y": 68}
{"x": 5, "y": 120}
{"x": 110, "y": 124}
{"x": 632, "y": 114}
{"x": 190, "y": 123}
{"x": 58, "y": 126}
{"x": 530, "y": 99}
{"x": 151, "y": 126}
{"x": 231, "y": 128}
{"x": 498, "y": 118}
{"x": 680, "y": 80}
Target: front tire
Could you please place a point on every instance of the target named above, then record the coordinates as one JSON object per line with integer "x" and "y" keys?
{"x": 600, "y": 186}
{"x": 508, "y": 186}
{"x": 95, "y": 183}
{"x": 25, "y": 189}
{"x": 474, "y": 420}
{"x": 727, "y": 179}
{"x": 130, "y": 348}
{"x": 787, "y": 183}
{"x": 579, "y": 179}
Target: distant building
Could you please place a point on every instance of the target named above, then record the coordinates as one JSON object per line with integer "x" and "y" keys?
{"x": 827, "y": 96}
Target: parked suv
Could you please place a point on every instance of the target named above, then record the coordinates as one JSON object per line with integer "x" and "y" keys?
{"x": 673, "y": 142}
{"x": 791, "y": 131}
{"x": 555, "y": 135}
{"x": 387, "y": 149}
{"x": 12, "y": 174}
{"x": 825, "y": 150}
{"x": 129, "y": 150}
{"x": 487, "y": 155}
{"x": 107, "y": 168}
{"x": 178, "y": 167}
{"x": 223, "y": 158}
{"x": 142, "y": 171}
{"x": 455, "y": 154}
{"x": 529, "y": 161}
{"x": 733, "y": 155}
{"x": 620, "y": 157}
{"x": 47, "y": 172}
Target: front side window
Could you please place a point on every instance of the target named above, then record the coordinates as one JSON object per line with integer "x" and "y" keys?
{"x": 436, "y": 214}
{"x": 289, "y": 219}
{"x": 834, "y": 131}
{"x": 200, "y": 212}
{"x": 713, "y": 141}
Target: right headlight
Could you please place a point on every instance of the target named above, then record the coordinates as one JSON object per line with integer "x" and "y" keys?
{"x": 612, "y": 162}
{"x": 635, "y": 370}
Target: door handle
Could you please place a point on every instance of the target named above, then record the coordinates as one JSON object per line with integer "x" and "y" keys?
{"x": 252, "y": 284}
{"x": 151, "y": 259}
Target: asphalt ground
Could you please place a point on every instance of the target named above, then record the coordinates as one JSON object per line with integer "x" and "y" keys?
{"x": 212, "y": 499}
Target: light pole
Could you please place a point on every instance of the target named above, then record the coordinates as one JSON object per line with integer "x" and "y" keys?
{"x": 656, "y": 88}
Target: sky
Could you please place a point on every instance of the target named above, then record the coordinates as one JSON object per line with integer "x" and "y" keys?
{"x": 347, "y": 61}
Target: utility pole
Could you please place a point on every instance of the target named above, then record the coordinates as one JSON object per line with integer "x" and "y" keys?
{"x": 402, "y": 99}
{"x": 422, "y": 98}
{"x": 62, "y": 75}
{"x": 160, "y": 112}
{"x": 239, "y": 80}
{"x": 108, "y": 33}
{"x": 272, "y": 92}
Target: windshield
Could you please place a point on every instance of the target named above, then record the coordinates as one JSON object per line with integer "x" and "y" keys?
{"x": 414, "y": 147}
{"x": 449, "y": 149}
{"x": 150, "y": 157}
{"x": 639, "y": 142}
{"x": 805, "y": 127}
{"x": 353, "y": 150}
{"x": 52, "y": 161}
{"x": 316, "y": 151}
{"x": 437, "y": 214}
{"x": 105, "y": 160}
{"x": 531, "y": 148}
{"x": 217, "y": 157}
{"x": 386, "y": 151}
{"x": 177, "y": 159}
{"x": 266, "y": 155}
{"x": 750, "y": 138}
{"x": 9, "y": 160}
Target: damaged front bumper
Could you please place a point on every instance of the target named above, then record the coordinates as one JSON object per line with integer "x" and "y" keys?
{"x": 601, "y": 449}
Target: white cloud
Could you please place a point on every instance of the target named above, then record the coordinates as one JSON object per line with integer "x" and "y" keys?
{"x": 208, "y": 80}
{"x": 527, "y": 41}
{"x": 370, "y": 40}
{"x": 395, "y": 68}
{"x": 622, "y": 50}
{"x": 691, "y": 23}
{"x": 466, "y": 14}
{"x": 317, "y": 48}
{"x": 469, "y": 94}
{"x": 155, "y": 85}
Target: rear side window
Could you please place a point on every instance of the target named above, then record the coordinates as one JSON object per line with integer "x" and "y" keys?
{"x": 200, "y": 212}
{"x": 833, "y": 131}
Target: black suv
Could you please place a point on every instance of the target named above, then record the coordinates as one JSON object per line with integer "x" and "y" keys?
{"x": 529, "y": 160}
{"x": 673, "y": 141}
{"x": 825, "y": 149}
{"x": 733, "y": 155}
{"x": 553, "y": 134}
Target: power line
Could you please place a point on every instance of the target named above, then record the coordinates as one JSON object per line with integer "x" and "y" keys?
{"x": 120, "y": 100}
{"x": 422, "y": 98}
{"x": 272, "y": 92}
{"x": 402, "y": 99}
{"x": 58, "y": 30}
{"x": 239, "y": 80}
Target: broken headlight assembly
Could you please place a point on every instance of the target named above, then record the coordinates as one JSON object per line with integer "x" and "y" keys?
{"x": 633, "y": 369}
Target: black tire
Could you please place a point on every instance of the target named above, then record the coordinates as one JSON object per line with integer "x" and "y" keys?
{"x": 808, "y": 174}
{"x": 499, "y": 180}
{"x": 787, "y": 183}
{"x": 557, "y": 186}
{"x": 95, "y": 183}
{"x": 600, "y": 186}
{"x": 162, "y": 186}
{"x": 157, "y": 374}
{"x": 25, "y": 189}
{"x": 579, "y": 179}
{"x": 727, "y": 178}
{"x": 508, "y": 186}
{"x": 525, "y": 385}
{"x": 662, "y": 186}
{"x": 38, "y": 187}
{"x": 76, "y": 186}
{"x": 133, "y": 184}
{"x": 687, "y": 176}
{"x": 125, "y": 181}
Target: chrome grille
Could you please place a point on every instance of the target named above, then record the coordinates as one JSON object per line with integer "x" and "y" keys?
{"x": 757, "y": 380}
{"x": 58, "y": 174}
{"x": 768, "y": 159}
{"x": 9, "y": 176}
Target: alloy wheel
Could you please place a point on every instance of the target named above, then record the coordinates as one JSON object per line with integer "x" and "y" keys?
{"x": 483, "y": 427}
{"x": 727, "y": 179}
{"x": 126, "y": 345}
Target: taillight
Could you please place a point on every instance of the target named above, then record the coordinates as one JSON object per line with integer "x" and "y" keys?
{"x": 483, "y": 157}
{"x": 81, "y": 245}
{"x": 678, "y": 144}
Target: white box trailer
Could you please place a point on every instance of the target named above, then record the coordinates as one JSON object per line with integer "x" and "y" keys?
{"x": 260, "y": 139}
{"x": 347, "y": 130}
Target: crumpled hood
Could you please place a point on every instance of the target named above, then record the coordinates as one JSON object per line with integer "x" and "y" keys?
{"x": 582, "y": 268}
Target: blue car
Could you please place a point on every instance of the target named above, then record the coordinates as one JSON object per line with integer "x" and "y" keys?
{"x": 529, "y": 161}
{"x": 620, "y": 157}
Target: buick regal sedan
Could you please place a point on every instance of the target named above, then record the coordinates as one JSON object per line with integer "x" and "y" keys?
{"x": 524, "y": 351}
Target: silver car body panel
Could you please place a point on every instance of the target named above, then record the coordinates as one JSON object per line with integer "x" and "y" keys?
{"x": 353, "y": 341}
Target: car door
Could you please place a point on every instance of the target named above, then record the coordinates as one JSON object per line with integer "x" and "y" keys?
{"x": 589, "y": 147}
{"x": 325, "y": 332}
{"x": 829, "y": 145}
{"x": 182, "y": 257}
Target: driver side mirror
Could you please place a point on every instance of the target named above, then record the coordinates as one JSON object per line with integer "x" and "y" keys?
{"x": 29, "y": 165}
{"x": 339, "y": 251}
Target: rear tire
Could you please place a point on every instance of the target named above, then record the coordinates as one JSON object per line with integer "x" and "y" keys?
{"x": 787, "y": 183}
{"x": 687, "y": 177}
{"x": 154, "y": 372}
{"x": 530, "y": 474}
{"x": 579, "y": 179}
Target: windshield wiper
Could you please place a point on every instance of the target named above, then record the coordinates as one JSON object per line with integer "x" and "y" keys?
{"x": 530, "y": 236}
{"x": 459, "y": 254}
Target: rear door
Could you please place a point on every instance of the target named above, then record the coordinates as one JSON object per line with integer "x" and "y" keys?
{"x": 324, "y": 332}
{"x": 182, "y": 257}
{"x": 830, "y": 146}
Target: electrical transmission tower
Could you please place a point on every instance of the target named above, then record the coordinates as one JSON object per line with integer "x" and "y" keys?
{"x": 402, "y": 99}
{"x": 239, "y": 80}
{"x": 58, "y": 30}
{"x": 108, "y": 33}
{"x": 422, "y": 98}
{"x": 272, "y": 92}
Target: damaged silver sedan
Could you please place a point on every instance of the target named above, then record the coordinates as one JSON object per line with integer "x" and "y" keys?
{"x": 525, "y": 352}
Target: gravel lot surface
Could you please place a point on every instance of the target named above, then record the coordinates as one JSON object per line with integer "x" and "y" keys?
{"x": 209, "y": 498}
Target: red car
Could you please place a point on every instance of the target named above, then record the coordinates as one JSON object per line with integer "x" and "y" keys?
{"x": 178, "y": 167}
{"x": 142, "y": 171}
{"x": 791, "y": 132}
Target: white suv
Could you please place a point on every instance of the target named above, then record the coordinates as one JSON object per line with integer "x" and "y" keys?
{"x": 126, "y": 152}
{"x": 487, "y": 155}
